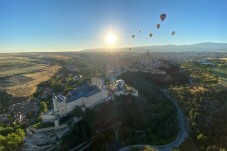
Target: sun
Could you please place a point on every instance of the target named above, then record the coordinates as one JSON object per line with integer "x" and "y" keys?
{"x": 111, "y": 38}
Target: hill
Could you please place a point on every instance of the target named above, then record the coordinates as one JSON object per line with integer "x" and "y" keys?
{"x": 207, "y": 46}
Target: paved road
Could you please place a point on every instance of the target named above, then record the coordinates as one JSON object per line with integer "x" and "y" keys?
{"x": 182, "y": 134}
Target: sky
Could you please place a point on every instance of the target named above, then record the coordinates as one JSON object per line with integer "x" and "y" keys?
{"x": 72, "y": 25}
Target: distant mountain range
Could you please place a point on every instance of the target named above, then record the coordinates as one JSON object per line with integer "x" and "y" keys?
{"x": 207, "y": 46}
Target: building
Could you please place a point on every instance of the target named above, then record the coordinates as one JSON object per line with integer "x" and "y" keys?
{"x": 77, "y": 77}
{"x": 87, "y": 95}
{"x": 120, "y": 88}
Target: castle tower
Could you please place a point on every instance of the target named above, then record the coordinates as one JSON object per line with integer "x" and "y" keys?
{"x": 112, "y": 79}
{"x": 98, "y": 82}
{"x": 56, "y": 123}
{"x": 54, "y": 99}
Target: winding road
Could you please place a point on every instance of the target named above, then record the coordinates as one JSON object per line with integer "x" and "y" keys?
{"x": 182, "y": 134}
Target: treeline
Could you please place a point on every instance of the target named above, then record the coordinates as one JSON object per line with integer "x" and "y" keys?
{"x": 64, "y": 81}
{"x": 4, "y": 101}
{"x": 149, "y": 119}
{"x": 174, "y": 76}
{"x": 79, "y": 133}
{"x": 200, "y": 74}
{"x": 205, "y": 105}
{"x": 11, "y": 138}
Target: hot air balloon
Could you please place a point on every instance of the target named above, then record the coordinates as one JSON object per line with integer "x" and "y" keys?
{"x": 162, "y": 17}
{"x": 173, "y": 33}
{"x": 133, "y": 36}
{"x": 139, "y": 31}
{"x": 150, "y": 35}
{"x": 158, "y": 26}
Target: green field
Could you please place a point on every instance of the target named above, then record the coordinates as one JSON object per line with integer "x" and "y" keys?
{"x": 222, "y": 74}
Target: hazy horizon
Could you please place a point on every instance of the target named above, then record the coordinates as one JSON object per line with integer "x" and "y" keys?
{"x": 122, "y": 48}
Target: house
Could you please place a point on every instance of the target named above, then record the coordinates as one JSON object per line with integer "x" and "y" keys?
{"x": 77, "y": 77}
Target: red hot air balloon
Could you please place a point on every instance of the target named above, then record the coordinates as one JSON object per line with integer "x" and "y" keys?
{"x": 158, "y": 26}
{"x": 162, "y": 17}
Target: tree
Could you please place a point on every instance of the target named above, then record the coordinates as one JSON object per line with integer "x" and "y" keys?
{"x": 133, "y": 149}
{"x": 20, "y": 133}
{"x": 212, "y": 148}
{"x": 4, "y": 101}
{"x": 2, "y": 143}
{"x": 12, "y": 141}
{"x": 5, "y": 130}
{"x": 43, "y": 106}
{"x": 201, "y": 137}
{"x": 148, "y": 148}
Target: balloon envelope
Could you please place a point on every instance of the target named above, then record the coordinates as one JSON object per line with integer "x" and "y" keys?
{"x": 158, "y": 26}
{"x": 133, "y": 36}
{"x": 162, "y": 17}
{"x": 150, "y": 35}
{"x": 173, "y": 33}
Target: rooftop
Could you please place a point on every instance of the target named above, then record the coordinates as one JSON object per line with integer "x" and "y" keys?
{"x": 84, "y": 90}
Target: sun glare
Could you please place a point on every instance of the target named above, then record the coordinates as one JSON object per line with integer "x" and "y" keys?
{"x": 111, "y": 38}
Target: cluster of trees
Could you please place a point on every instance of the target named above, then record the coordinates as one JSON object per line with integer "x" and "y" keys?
{"x": 43, "y": 106}
{"x": 145, "y": 148}
{"x": 89, "y": 65}
{"x": 80, "y": 133}
{"x": 4, "y": 101}
{"x": 159, "y": 113}
{"x": 201, "y": 74}
{"x": 219, "y": 63}
{"x": 174, "y": 76}
{"x": 206, "y": 108}
{"x": 64, "y": 81}
{"x": 63, "y": 85}
{"x": 11, "y": 138}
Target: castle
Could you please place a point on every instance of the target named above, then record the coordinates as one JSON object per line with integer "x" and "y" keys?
{"x": 87, "y": 95}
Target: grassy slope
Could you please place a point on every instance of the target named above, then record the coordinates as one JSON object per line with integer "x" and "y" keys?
{"x": 20, "y": 74}
{"x": 222, "y": 74}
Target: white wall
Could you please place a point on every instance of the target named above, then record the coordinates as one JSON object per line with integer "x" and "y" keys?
{"x": 98, "y": 82}
{"x": 62, "y": 108}
{"x": 65, "y": 108}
